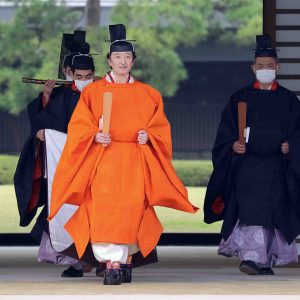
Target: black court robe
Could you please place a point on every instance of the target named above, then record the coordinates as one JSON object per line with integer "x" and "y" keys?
{"x": 31, "y": 188}
{"x": 261, "y": 187}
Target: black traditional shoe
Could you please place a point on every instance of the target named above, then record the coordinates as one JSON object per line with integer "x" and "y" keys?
{"x": 87, "y": 268}
{"x": 100, "y": 271}
{"x": 112, "y": 277}
{"x": 72, "y": 272}
{"x": 126, "y": 273}
{"x": 266, "y": 271}
{"x": 249, "y": 267}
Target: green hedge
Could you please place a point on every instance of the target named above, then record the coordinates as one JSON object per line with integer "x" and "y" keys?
{"x": 191, "y": 172}
{"x": 8, "y": 165}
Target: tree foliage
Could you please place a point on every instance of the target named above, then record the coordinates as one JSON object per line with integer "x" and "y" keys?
{"x": 159, "y": 27}
{"x": 30, "y": 43}
{"x": 244, "y": 17}
{"x": 27, "y": 42}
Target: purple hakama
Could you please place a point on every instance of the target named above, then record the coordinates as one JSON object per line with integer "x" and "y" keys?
{"x": 265, "y": 247}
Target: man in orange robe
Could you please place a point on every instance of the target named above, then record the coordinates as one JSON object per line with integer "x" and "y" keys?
{"x": 116, "y": 179}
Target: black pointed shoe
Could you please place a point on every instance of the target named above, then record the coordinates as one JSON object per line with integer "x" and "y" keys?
{"x": 266, "y": 271}
{"x": 100, "y": 271}
{"x": 249, "y": 267}
{"x": 126, "y": 273}
{"x": 112, "y": 277}
{"x": 72, "y": 272}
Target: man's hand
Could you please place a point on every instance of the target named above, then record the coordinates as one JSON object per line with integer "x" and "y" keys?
{"x": 47, "y": 91}
{"x": 102, "y": 138}
{"x": 285, "y": 148}
{"x": 239, "y": 148}
{"x": 142, "y": 137}
{"x": 41, "y": 135}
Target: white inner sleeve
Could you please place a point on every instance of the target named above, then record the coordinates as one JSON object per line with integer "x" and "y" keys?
{"x": 60, "y": 238}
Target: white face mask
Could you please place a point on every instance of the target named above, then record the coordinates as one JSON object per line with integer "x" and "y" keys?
{"x": 69, "y": 78}
{"x": 81, "y": 84}
{"x": 265, "y": 75}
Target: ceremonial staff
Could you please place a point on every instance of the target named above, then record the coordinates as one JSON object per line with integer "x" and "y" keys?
{"x": 43, "y": 81}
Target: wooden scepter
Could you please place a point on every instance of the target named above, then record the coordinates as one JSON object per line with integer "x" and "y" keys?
{"x": 43, "y": 81}
{"x": 242, "y": 115}
{"x": 107, "y": 104}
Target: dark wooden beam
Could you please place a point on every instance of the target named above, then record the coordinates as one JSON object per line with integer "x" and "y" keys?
{"x": 167, "y": 239}
{"x": 269, "y": 19}
{"x": 287, "y": 11}
{"x": 287, "y": 27}
{"x": 287, "y": 44}
{"x": 292, "y": 77}
{"x": 289, "y": 60}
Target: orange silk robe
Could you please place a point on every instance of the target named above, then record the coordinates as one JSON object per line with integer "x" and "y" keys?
{"x": 116, "y": 187}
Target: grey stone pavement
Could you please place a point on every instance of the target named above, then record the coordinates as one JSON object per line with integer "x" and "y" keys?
{"x": 182, "y": 273}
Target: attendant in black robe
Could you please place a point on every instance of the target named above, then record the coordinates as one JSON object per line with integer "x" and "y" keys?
{"x": 255, "y": 188}
{"x": 51, "y": 110}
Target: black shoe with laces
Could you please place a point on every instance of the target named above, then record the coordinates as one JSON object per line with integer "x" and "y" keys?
{"x": 112, "y": 277}
{"x": 126, "y": 273}
{"x": 72, "y": 272}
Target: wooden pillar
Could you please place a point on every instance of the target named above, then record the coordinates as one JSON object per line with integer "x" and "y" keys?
{"x": 269, "y": 19}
